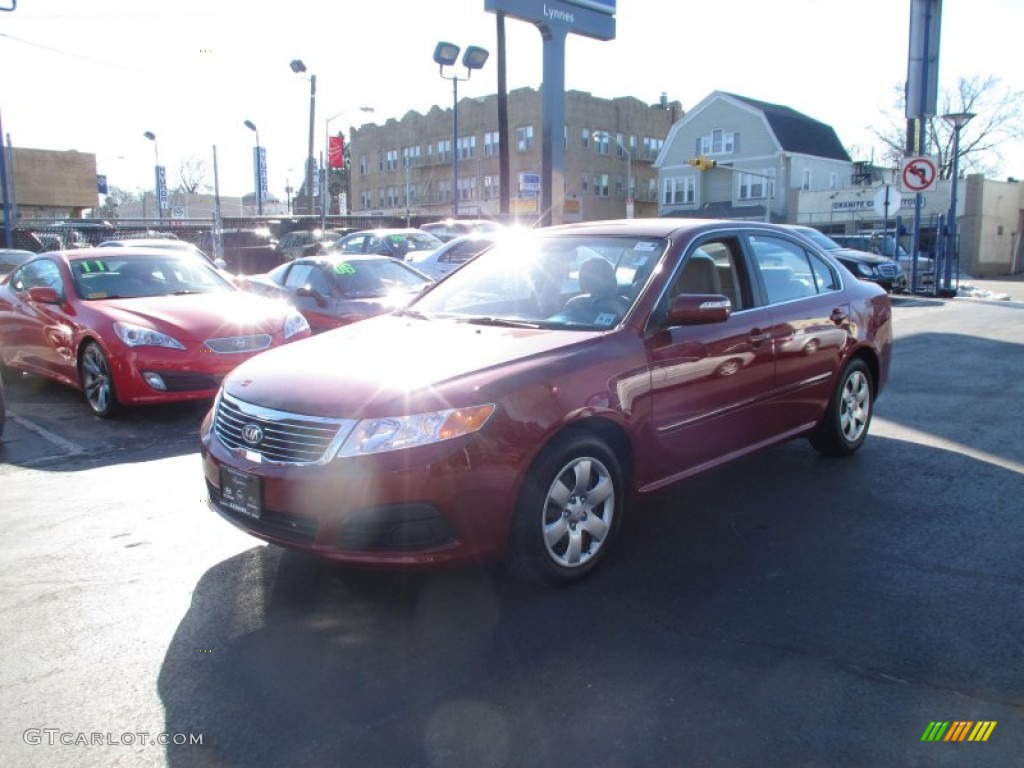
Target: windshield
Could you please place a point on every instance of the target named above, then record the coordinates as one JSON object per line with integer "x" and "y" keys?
{"x": 137, "y": 276}
{"x": 586, "y": 282}
{"x": 374, "y": 277}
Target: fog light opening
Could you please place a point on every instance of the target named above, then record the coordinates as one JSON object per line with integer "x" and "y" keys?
{"x": 154, "y": 380}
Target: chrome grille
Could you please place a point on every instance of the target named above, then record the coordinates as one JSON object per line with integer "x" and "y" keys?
{"x": 889, "y": 269}
{"x": 287, "y": 438}
{"x": 229, "y": 344}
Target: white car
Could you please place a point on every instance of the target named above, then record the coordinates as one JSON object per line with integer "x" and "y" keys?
{"x": 450, "y": 256}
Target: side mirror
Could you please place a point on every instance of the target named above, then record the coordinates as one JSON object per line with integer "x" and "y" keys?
{"x": 699, "y": 309}
{"x": 220, "y": 264}
{"x": 308, "y": 292}
{"x": 43, "y": 295}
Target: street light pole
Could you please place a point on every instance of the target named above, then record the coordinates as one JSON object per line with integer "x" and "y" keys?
{"x": 256, "y": 167}
{"x": 958, "y": 120}
{"x": 298, "y": 68}
{"x": 156, "y": 175}
{"x": 445, "y": 54}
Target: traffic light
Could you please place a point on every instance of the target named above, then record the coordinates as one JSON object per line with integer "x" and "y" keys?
{"x": 702, "y": 163}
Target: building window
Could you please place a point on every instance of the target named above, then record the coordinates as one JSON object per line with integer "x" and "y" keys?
{"x": 491, "y": 190}
{"x": 444, "y": 151}
{"x": 380, "y": 197}
{"x": 585, "y": 183}
{"x": 718, "y": 142}
{"x": 524, "y": 138}
{"x": 620, "y": 145}
{"x": 366, "y": 200}
{"x": 651, "y": 147}
{"x": 410, "y": 156}
{"x": 585, "y": 137}
{"x": 752, "y": 187}
{"x": 467, "y": 188}
{"x": 412, "y": 195}
{"x": 833, "y": 180}
{"x": 391, "y": 160}
{"x": 620, "y": 187}
{"x": 680, "y": 191}
{"x": 491, "y": 143}
{"x": 444, "y": 190}
{"x": 602, "y": 143}
{"x": 805, "y": 176}
{"x": 652, "y": 189}
{"x": 600, "y": 185}
{"x": 392, "y": 197}
{"x": 467, "y": 147}
{"x": 364, "y": 165}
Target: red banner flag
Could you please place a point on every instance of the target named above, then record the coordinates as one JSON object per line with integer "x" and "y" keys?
{"x": 336, "y": 152}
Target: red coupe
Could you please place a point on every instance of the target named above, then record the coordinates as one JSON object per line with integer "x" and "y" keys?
{"x": 130, "y": 326}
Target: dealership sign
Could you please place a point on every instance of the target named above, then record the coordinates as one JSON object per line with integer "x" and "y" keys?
{"x": 592, "y": 18}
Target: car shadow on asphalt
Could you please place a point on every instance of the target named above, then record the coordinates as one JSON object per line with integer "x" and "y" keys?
{"x": 51, "y": 428}
{"x": 780, "y": 607}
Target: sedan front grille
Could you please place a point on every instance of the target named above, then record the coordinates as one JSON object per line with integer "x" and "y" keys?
{"x": 889, "y": 269}
{"x": 233, "y": 344}
{"x": 278, "y": 437}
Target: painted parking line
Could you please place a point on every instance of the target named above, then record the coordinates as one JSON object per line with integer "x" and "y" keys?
{"x": 67, "y": 447}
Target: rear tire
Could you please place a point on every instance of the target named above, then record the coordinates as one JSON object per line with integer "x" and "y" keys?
{"x": 569, "y": 511}
{"x": 844, "y": 427}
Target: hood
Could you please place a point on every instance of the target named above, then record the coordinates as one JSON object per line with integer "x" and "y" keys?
{"x": 390, "y": 364}
{"x": 862, "y": 256}
{"x": 201, "y": 316}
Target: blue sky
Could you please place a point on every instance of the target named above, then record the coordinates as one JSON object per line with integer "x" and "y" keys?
{"x": 94, "y": 75}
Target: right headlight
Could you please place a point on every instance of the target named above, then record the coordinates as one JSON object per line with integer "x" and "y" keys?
{"x": 395, "y": 433}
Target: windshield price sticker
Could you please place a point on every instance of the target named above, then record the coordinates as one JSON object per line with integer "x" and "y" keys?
{"x": 344, "y": 268}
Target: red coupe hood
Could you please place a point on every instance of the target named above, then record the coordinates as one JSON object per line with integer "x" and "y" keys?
{"x": 202, "y": 316}
{"x": 386, "y": 362}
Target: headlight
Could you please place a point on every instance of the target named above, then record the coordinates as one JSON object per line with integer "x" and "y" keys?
{"x": 294, "y": 323}
{"x": 137, "y": 336}
{"x": 396, "y": 433}
{"x": 865, "y": 269}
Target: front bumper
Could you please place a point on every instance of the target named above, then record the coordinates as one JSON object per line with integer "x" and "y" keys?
{"x": 444, "y": 504}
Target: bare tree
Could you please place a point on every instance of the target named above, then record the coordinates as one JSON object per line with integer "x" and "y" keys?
{"x": 999, "y": 118}
{"x": 193, "y": 172}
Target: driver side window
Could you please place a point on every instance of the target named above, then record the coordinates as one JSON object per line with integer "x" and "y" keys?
{"x": 38, "y": 274}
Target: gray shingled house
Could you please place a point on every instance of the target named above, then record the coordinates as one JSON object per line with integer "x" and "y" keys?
{"x": 762, "y": 152}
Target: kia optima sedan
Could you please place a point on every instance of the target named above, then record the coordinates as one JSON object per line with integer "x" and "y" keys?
{"x": 521, "y": 406}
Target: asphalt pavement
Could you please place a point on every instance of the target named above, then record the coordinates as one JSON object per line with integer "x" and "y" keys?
{"x": 787, "y": 610}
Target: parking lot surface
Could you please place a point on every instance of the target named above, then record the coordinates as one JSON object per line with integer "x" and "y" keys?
{"x": 786, "y": 610}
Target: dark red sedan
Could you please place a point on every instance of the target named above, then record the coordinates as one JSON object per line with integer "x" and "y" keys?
{"x": 335, "y": 290}
{"x": 523, "y": 404}
{"x": 130, "y": 326}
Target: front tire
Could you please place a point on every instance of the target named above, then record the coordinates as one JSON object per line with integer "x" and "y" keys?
{"x": 569, "y": 510}
{"x": 98, "y": 381}
{"x": 844, "y": 427}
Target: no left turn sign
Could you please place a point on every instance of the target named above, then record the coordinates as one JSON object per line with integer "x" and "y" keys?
{"x": 919, "y": 174}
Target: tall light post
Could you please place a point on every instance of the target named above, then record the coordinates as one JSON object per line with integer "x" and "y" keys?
{"x": 958, "y": 120}
{"x": 341, "y": 160}
{"x": 445, "y": 55}
{"x": 257, "y": 167}
{"x": 598, "y": 135}
{"x": 158, "y": 183}
{"x": 299, "y": 68}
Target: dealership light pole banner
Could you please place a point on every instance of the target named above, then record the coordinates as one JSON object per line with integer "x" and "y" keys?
{"x": 163, "y": 203}
{"x": 259, "y": 166}
{"x": 555, "y": 19}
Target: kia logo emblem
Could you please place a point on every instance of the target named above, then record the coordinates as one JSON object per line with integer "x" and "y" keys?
{"x": 252, "y": 434}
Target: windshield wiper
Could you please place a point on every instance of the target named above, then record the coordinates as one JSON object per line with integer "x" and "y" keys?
{"x": 500, "y": 322}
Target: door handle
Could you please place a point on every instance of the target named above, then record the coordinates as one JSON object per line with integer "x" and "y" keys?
{"x": 757, "y": 336}
{"x": 839, "y": 316}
